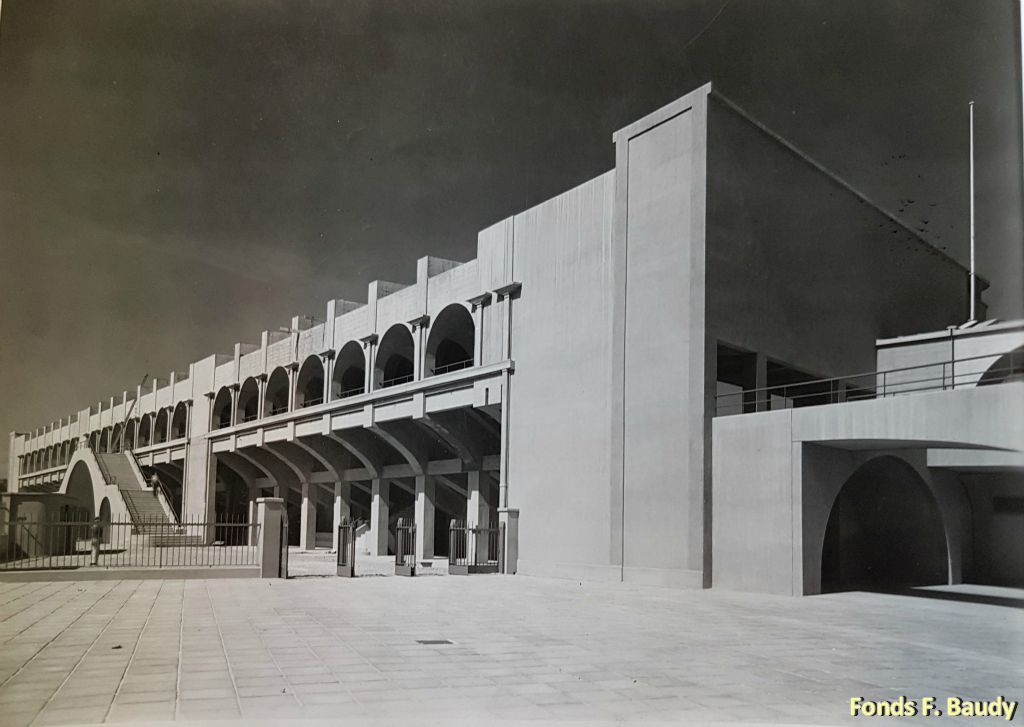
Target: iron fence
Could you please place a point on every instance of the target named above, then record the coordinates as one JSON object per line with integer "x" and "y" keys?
{"x": 405, "y": 548}
{"x": 396, "y": 381}
{"x": 938, "y": 376}
{"x": 474, "y": 549}
{"x": 64, "y": 544}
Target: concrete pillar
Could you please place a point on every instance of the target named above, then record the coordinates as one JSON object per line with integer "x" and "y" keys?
{"x": 371, "y": 362}
{"x": 270, "y": 514}
{"x": 509, "y": 517}
{"x": 379, "y": 515}
{"x": 425, "y": 497}
{"x": 293, "y": 379}
{"x": 328, "y": 375}
{"x": 419, "y": 349}
{"x": 478, "y": 511}
{"x": 253, "y": 514}
{"x": 342, "y": 508}
{"x": 307, "y": 526}
{"x": 260, "y": 405}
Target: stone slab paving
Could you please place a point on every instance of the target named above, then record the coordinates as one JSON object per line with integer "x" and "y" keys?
{"x": 522, "y": 649}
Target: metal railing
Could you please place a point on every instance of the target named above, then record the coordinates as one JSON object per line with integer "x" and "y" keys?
{"x": 396, "y": 381}
{"x": 938, "y": 376}
{"x": 354, "y": 391}
{"x": 405, "y": 548}
{"x": 474, "y": 549}
{"x": 312, "y": 401}
{"x": 457, "y": 366}
{"x": 80, "y": 543}
{"x": 107, "y": 477}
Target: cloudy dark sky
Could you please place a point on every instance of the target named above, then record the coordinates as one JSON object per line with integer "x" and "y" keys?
{"x": 176, "y": 176}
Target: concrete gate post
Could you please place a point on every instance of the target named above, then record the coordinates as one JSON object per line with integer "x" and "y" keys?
{"x": 379, "y": 516}
{"x": 270, "y": 513}
{"x": 307, "y": 518}
{"x": 424, "y": 509}
{"x": 509, "y": 517}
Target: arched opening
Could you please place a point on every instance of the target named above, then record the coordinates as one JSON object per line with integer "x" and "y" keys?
{"x": 248, "y": 407}
{"x": 275, "y": 401}
{"x": 104, "y": 516}
{"x": 145, "y": 437}
{"x": 884, "y": 532}
{"x": 105, "y": 440}
{"x": 129, "y": 433}
{"x": 222, "y": 409}
{"x": 451, "y": 341}
{"x": 80, "y": 487}
{"x": 94, "y": 441}
{"x": 394, "y": 358}
{"x": 72, "y": 448}
{"x": 1008, "y": 367}
{"x": 309, "y": 388}
{"x": 349, "y": 371}
{"x": 160, "y": 427}
{"x": 179, "y": 421}
{"x": 116, "y": 443}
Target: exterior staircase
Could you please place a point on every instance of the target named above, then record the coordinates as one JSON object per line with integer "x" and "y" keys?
{"x": 144, "y": 503}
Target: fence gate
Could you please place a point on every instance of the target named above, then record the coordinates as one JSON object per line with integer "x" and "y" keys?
{"x": 405, "y": 548}
{"x": 474, "y": 549}
{"x": 347, "y": 549}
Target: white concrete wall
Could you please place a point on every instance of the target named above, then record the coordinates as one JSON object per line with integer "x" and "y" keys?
{"x": 559, "y": 399}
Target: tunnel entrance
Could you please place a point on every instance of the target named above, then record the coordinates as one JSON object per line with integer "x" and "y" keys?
{"x": 884, "y": 532}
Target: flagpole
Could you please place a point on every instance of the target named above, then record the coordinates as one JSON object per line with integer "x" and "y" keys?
{"x": 973, "y": 276}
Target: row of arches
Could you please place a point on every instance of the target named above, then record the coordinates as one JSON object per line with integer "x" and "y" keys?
{"x": 56, "y": 455}
{"x": 449, "y": 347}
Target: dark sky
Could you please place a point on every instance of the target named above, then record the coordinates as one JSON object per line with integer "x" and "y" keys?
{"x": 176, "y": 176}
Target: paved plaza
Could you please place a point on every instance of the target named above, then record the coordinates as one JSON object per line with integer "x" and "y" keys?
{"x": 521, "y": 649}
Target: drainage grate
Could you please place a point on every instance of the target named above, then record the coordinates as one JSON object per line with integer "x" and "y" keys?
{"x": 432, "y": 642}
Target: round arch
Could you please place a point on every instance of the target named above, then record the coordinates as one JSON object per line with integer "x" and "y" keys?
{"x": 1008, "y": 367}
{"x": 451, "y": 341}
{"x": 145, "y": 436}
{"x": 130, "y": 429}
{"x": 160, "y": 427}
{"x": 116, "y": 443}
{"x": 105, "y": 440}
{"x": 349, "y": 377}
{"x": 94, "y": 441}
{"x": 221, "y": 411}
{"x": 275, "y": 400}
{"x": 80, "y": 487}
{"x": 309, "y": 387}
{"x": 179, "y": 421}
{"x": 884, "y": 532}
{"x": 395, "y": 354}
{"x": 248, "y": 406}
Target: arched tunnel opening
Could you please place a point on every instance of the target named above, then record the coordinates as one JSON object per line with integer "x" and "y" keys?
{"x": 884, "y": 532}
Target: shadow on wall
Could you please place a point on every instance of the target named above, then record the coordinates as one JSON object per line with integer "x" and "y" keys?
{"x": 884, "y": 532}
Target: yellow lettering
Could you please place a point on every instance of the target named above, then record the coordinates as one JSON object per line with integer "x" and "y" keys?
{"x": 953, "y": 707}
{"x": 855, "y": 703}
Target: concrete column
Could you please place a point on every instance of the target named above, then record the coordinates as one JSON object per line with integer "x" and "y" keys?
{"x": 253, "y": 514}
{"x": 270, "y": 513}
{"x": 328, "y": 375}
{"x": 307, "y": 526}
{"x": 234, "y": 406}
{"x": 478, "y": 511}
{"x": 425, "y": 497}
{"x": 379, "y": 515}
{"x": 419, "y": 352}
{"x": 262, "y": 388}
{"x": 510, "y": 519}
{"x": 292, "y": 381}
{"x": 342, "y": 508}
{"x": 478, "y": 331}
{"x": 371, "y": 362}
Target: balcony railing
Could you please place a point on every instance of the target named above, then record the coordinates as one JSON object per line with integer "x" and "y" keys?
{"x": 937, "y": 376}
{"x": 396, "y": 381}
{"x": 457, "y": 366}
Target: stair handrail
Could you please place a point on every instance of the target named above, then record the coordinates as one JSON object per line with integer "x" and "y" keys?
{"x": 109, "y": 478}
{"x": 160, "y": 492}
